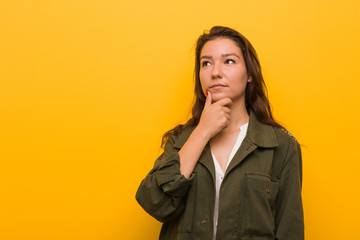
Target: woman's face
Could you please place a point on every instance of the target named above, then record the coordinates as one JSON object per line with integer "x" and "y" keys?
{"x": 222, "y": 70}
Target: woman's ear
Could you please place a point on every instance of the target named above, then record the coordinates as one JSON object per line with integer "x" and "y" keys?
{"x": 249, "y": 79}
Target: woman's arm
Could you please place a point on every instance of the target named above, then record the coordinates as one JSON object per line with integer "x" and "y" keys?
{"x": 162, "y": 191}
{"x": 289, "y": 210}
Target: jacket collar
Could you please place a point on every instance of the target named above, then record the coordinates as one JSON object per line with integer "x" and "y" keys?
{"x": 260, "y": 134}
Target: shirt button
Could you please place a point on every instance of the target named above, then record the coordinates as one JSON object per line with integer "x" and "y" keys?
{"x": 203, "y": 221}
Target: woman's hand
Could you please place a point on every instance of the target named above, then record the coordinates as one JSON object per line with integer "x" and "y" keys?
{"x": 215, "y": 116}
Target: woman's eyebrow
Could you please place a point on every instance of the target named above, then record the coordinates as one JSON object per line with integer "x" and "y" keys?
{"x": 230, "y": 54}
{"x": 222, "y": 55}
{"x": 207, "y": 57}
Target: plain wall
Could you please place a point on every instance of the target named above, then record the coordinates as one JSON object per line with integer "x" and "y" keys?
{"x": 87, "y": 88}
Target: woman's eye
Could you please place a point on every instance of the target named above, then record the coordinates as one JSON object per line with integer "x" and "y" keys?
{"x": 205, "y": 63}
{"x": 230, "y": 61}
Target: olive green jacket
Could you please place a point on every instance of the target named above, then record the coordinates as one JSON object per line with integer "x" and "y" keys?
{"x": 260, "y": 196}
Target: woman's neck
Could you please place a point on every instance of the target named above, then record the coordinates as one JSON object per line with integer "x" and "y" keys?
{"x": 238, "y": 116}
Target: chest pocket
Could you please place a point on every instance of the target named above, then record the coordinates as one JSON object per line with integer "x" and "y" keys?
{"x": 258, "y": 211}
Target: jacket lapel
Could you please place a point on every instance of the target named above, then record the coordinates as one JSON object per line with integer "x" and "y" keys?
{"x": 245, "y": 149}
{"x": 258, "y": 135}
{"x": 207, "y": 160}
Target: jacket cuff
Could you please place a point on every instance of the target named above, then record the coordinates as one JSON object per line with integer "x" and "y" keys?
{"x": 170, "y": 179}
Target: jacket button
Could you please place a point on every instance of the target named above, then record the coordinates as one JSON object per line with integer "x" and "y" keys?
{"x": 268, "y": 190}
{"x": 248, "y": 149}
{"x": 203, "y": 221}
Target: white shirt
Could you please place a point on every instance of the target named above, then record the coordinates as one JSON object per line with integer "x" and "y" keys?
{"x": 219, "y": 174}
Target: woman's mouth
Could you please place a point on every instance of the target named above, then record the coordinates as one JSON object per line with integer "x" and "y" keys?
{"x": 217, "y": 86}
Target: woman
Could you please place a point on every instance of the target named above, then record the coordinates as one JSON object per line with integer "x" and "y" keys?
{"x": 230, "y": 172}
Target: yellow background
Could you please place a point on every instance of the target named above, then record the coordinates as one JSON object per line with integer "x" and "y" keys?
{"x": 88, "y": 87}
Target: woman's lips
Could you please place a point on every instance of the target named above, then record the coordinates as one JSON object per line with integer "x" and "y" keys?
{"x": 217, "y": 86}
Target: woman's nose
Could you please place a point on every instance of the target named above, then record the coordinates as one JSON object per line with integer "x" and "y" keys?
{"x": 216, "y": 71}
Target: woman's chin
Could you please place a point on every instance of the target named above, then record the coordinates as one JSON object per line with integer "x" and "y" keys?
{"x": 218, "y": 96}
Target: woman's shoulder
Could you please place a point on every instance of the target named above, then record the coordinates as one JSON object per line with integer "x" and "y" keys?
{"x": 284, "y": 137}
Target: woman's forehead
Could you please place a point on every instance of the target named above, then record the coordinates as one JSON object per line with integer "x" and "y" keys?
{"x": 220, "y": 46}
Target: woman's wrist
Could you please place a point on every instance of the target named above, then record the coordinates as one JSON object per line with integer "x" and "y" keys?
{"x": 202, "y": 134}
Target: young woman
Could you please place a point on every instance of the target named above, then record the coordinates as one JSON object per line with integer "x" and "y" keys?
{"x": 230, "y": 172}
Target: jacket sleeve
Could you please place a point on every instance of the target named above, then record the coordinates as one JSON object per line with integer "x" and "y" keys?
{"x": 289, "y": 218}
{"x": 162, "y": 192}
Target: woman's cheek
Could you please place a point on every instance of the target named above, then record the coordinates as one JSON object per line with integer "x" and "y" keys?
{"x": 203, "y": 85}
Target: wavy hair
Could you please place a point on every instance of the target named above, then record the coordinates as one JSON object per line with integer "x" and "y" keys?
{"x": 255, "y": 92}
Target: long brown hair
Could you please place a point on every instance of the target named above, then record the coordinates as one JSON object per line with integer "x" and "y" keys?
{"x": 255, "y": 93}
